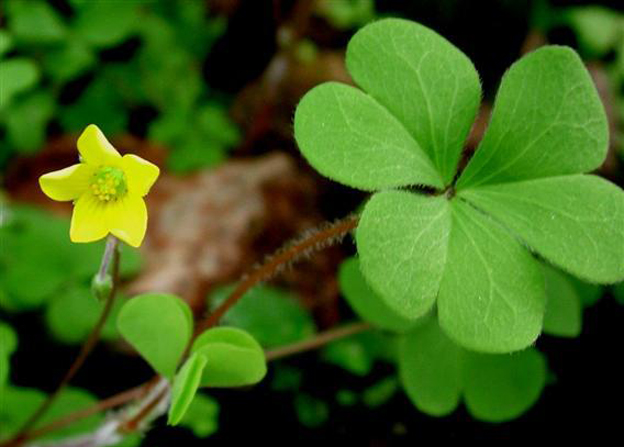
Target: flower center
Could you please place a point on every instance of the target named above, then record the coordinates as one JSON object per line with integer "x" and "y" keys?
{"x": 109, "y": 183}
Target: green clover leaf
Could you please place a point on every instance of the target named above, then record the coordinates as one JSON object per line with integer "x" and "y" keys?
{"x": 436, "y": 373}
{"x": 464, "y": 245}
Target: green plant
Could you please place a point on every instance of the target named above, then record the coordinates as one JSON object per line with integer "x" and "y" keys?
{"x": 43, "y": 54}
{"x": 455, "y": 243}
{"x": 456, "y": 275}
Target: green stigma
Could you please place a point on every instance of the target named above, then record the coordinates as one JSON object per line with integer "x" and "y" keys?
{"x": 109, "y": 183}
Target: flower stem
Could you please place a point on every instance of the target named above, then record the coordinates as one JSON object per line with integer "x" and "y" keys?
{"x": 142, "y": 391}
{"x": 110, "y": 257}
{"x": 313, "y": 241}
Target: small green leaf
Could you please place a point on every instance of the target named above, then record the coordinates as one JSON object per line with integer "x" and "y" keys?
{"x": 548, "y": 120}
{"x": 402, "y": 242}
{"x": 159, "y": 326}
{"x": 564, "y": 312}
{"x": 351, "y": 138}
{"x": 270, "y": 315}
{"x": 69, "y": 61}
{"x": 499, "y": 388}
{"x": 16, "y": 406}
{"x": 99, "y": 103}
{"x": 202, "y": 416}
{"x": 366, "y": 303}
{"x": 286, "y": 377}
{"x": 598, "y": 29}
{"x": 73, "y": 313}
{"x": 18, "y": 74}
{"x": 381, "y": 392}
{"x": 576, "y": 221}
{"x": 27, "y": 122}
{"x": 194, "y": 152}
{"x": 104, "y": 24}
{"x": 34, "y": 22}
{"x": 492, "y": 295}
{"x": 357, "y": 354}
{"x": 429, "y": 85}
{"x": 430, "y": 368}
{"x": 345, "y": 14}
{"x": 312, "y": 412}
{"x": 350, "y": 355}
{"x": 69, "y": 401}
{"x": 185, "y": 386}
{"x": 234, "y": 358}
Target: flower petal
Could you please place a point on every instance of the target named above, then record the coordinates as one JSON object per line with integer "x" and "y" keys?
{"x": 128, "y": 219}
{"x": 90, "y": 220}
{"x": 66, "y": 184}
{"x": 95, "y": 148}
{"x": 140, "y": 174}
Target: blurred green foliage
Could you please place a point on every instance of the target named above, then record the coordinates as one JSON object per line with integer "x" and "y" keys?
{"x": 273, "y": 316}
{"x": 41, "y": 269}
{"x": 101, "y": 62}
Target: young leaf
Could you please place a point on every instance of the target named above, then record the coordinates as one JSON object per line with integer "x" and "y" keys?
{"x": 366, "y": 303}
{"x": 429, "y": 85}
{"x": 576, "y": 221}
{"x": 234, "y": 358}
{"x": 402, "y": 241}
{"x": 499, "y": 388}
{"x": 564, "y": 312}
{"x": 158, "y": 326}
{"x": 349, "y": 137}
{"x": 185, "y": 386}
{"x": 492, "y": 295}
{"x": 548, "y": 120}
{"x": 430, "y": 368}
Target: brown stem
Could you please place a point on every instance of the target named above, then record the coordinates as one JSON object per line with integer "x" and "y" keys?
{"x": 319, "y": 340}
{"x": 316, "y": 240}
{"x": 103, "y": 405}
{"x": 111, "y": 255}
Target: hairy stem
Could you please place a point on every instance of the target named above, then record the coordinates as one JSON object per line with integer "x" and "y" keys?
{"x": 315, "y": 241}
{"x": 110, "y": 256}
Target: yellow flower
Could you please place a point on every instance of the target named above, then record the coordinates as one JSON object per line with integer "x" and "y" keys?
{"x": 107, "y": 190}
